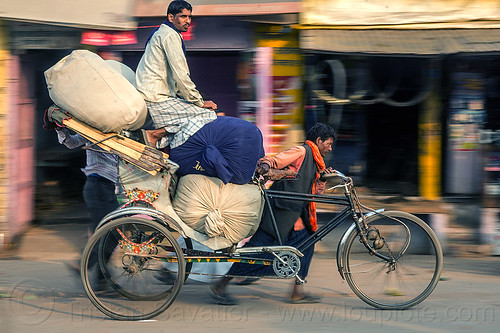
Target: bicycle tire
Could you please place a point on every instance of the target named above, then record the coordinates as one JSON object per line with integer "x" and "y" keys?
{"x": 417, "y": 255}
{"x": 125, "y": 284}
{"x": 114, "y": 283}
{"x": 188, "y": 265}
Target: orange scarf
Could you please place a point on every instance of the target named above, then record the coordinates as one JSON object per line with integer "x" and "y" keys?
{"x": 320, "y": 163}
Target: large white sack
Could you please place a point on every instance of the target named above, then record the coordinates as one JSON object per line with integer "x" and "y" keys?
{"x": 124, "y": 70}
{"x": 209, "y": 206}
{"x": 155, "y": 190}
{"x": 95, "y": 93}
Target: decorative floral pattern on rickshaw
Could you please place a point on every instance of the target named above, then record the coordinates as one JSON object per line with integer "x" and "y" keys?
{"x": 131, "y": 247}
{"x": 142, "y": 195}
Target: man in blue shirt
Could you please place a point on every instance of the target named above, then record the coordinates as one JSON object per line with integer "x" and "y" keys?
{"x": 99, "y": 191}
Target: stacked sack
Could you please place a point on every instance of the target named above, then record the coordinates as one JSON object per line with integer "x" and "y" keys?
{"x": 227, "y": 148}
{"x": 96, "y": 92}
{"x": 211, "y": 207}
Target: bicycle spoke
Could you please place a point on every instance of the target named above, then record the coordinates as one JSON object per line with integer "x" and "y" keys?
{"x": 413, "y": 274}
{"x": 124, "y": 284}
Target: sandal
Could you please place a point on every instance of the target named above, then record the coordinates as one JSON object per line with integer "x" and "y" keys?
{"x": 307, "y": 298}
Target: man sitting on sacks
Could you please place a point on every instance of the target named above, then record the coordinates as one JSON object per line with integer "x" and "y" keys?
{"x": 176, "y": 107}
{"x": 295, "y": 220}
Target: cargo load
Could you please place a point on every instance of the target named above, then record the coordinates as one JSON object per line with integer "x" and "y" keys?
{"x": 211, "y": 207}
{"x": 98, "y": 93}
{"x": 227, "y": 148}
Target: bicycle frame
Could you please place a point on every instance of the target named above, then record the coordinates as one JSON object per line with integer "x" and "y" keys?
{"x": 325, "y": 229}
{"x": 349, "y": 210}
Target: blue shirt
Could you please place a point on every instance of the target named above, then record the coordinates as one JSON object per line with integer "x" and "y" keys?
{"x": 100, "y": 163}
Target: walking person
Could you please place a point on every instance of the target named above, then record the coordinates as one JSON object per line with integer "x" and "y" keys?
{"x": 295, "y": 220}
{"x": 99, "y": 190}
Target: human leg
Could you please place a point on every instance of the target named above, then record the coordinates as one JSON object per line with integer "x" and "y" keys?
{"x": 179, "y": 119}
{"x": 298, "y": 294}
{"x": 100, "y": 198}
{"x": 219, "y": 287}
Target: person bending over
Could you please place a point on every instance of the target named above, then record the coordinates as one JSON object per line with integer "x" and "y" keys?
{"x": 296, "y": 220}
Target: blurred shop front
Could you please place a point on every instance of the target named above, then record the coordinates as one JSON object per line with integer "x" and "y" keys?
{"x": 33, "y": 37}
{"x": 242, "y": 55}
{"x": 222, "y": 48}
{"x": 410, "y": 91}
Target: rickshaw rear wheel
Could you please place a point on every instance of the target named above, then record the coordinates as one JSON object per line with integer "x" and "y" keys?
{"x": 121, "y": 265}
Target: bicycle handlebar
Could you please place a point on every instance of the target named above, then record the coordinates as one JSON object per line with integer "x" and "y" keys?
{"x": 341, "y": 175}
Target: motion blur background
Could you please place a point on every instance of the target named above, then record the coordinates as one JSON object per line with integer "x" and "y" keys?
{"x": 412, "y": 88}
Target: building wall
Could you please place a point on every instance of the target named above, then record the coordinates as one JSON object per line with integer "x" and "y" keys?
{"x": 4, "y": 61}
{"x": 402, "y": 14}
{"x": 16, "y": 144}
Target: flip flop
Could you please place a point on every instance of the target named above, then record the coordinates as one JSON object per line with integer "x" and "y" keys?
{"x": 306, "y": 299}
{"x": 139, "y": 135}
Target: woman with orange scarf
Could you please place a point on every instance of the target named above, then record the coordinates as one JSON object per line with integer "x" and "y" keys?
{"x": 295, "y": 220}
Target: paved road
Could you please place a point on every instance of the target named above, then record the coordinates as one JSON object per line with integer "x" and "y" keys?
{"x": 39, "y": 294}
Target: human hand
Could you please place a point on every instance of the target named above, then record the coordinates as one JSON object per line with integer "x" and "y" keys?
{"x": 209, "y": 105}
{"x": 324, "y": 173}
{"x": 262, "y": 169}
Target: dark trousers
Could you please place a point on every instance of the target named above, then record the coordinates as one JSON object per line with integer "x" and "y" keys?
{"x": 100, "y": 198}
{"x": 261, "y": 238}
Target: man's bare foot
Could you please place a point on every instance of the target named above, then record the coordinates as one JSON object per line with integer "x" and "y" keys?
{"x": 155, "y": 135}
{"x": 151, "y": 140}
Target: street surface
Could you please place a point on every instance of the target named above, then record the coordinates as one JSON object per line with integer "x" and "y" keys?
{"x": 39, "y": 294}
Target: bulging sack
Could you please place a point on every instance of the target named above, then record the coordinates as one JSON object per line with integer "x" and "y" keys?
{"x": 211, "y": 207}
{"x": 95, "y": 92}
{"x": 227, "y": 148}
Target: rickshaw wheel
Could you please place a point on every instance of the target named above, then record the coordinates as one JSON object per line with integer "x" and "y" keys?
{"x": 121, "y": 265}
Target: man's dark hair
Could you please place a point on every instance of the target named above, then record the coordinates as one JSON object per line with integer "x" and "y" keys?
{"x": 322, "y": 131}
{"x": 177, "y": 6}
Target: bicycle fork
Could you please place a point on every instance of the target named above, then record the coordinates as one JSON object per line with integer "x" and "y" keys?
{"x": 356, "y": 226}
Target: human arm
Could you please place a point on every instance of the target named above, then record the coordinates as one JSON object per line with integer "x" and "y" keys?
{"x": 186, "y": 89}
{"x": 321, "y": 182}
{"x": 209, "y": 105}
{"x": 292, "y": 158}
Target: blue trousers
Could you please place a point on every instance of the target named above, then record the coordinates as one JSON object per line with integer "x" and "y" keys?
{"x": 261, "y": 238}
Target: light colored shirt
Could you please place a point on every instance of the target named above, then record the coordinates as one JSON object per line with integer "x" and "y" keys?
{"x": 100, "y": 163}
{"x": 163, "y": 72}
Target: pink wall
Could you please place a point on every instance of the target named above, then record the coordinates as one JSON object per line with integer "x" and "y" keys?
{"x": 20, "y": 150}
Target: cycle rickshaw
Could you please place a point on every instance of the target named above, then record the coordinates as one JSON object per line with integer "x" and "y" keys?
{"x": 390, "y": 259}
